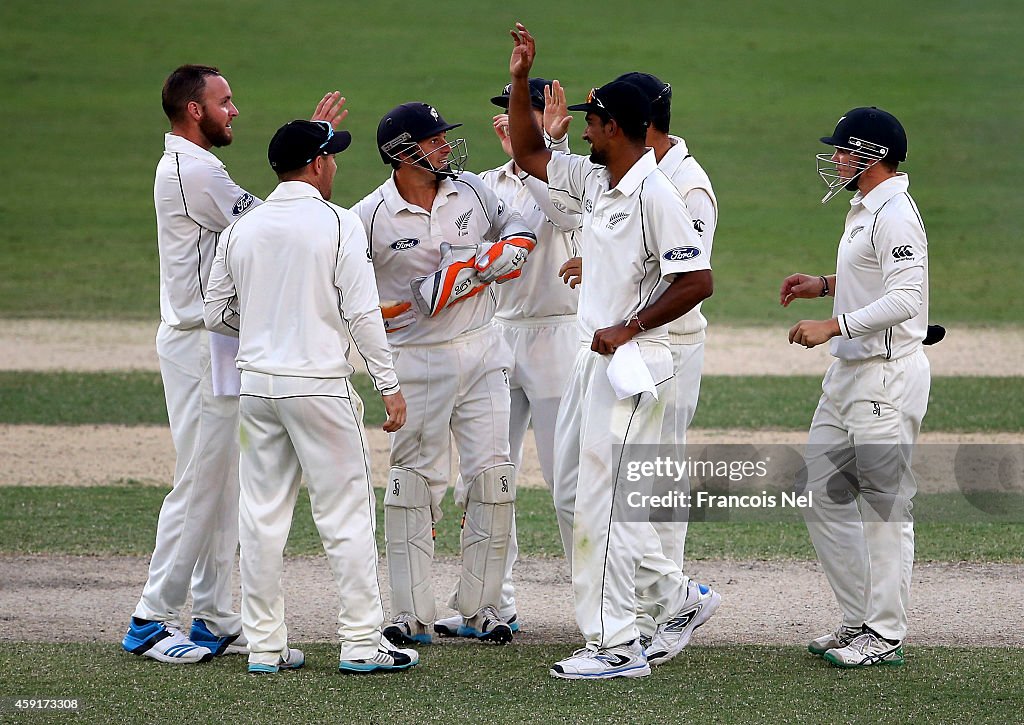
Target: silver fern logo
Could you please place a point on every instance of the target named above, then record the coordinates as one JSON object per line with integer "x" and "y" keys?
{"x": 463, "y": 223}
{"x": 616, "y": 218}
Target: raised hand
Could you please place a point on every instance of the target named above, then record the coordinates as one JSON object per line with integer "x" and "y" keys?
{"x": 329, "y": 109}
{"x": 556, "y": 111}
{"x": 523, "y": 52}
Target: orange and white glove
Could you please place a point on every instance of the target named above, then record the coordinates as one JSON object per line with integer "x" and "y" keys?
{"x": 456, "y": 281}
{"x": 397, "y": 315}
{"x": 502, "y": 261}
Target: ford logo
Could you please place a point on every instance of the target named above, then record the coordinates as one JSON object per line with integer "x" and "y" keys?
{"x": 244, "y": 202}
{"x": 403, "y": 244}
{"x": 681, "y": 254}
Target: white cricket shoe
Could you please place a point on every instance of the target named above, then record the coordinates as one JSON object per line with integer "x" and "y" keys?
{"x": 405, "y": 629}
{"x": 163, "y": 642}
{"x": 865, "y": 650}
{"x": 388, "y": 658}
{"x": 672, "y": 636}
{"x": 834, "y": 640}
{"x": 292, "y": 659}
{"x": 625, "y": 660}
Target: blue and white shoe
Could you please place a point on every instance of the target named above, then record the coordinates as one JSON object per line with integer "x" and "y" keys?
{"x": 235, "y": 644}
{"x": 672, "y": 636}
{"x": 163, "y": 642}
{"x": 457, "y": 626}
{"x": 405, "y": 629}
{"x": 389, "y": 658}
{"x": 626, "y": 660}
{"x": 293, "y": 659}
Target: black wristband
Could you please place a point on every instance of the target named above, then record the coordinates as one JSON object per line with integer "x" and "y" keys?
{"x": 824, "y": 285}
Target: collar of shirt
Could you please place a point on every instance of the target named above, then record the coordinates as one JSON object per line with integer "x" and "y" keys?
{"x": 395, "y": 202}
{"x": 181, "y": 145}
{"x": 674, "y": 156}
{"x": 877, "y": 197}
{"x": 639, "y": 171}
{"x": 509, "y": 171}
{"x": 294, "y": 190}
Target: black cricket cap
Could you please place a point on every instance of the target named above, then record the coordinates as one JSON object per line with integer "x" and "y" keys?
{"x": 873, "y": 125}
{"x": 298, "y": 142}
{"x": 658, "y": 92}
{"x": 620, "y": 100}
{"x": 536, "y": 94}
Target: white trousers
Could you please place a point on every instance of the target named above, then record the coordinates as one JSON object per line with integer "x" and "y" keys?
{"x": 867, "y": 420}
{"x": 456, "y": 389}
{"x": 543, "y": 351}
{"x": 290, "y": 427}
{"x": 197, "y": 531}
{"x": 612, "y": 558}
{"x": 687, "y": 363}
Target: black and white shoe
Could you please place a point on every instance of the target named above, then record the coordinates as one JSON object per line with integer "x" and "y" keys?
{"x": 388, "y": 659}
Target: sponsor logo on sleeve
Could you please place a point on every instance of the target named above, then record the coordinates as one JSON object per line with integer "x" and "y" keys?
{"x": 501, "y": 207}
{"x": 681, "y": 254}
{"x": 698, "y": 226}
{"x": 903, "y": 253}
{"x": 589, "y": 206}
{"x": 402, "y": 244}
{"x": 242, "y": 204}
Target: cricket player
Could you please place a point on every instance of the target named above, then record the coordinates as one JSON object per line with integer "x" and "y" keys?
{"x": 646, "y": 266}
{"x": 874, "y": 395}
{"x": 292, "y": 281}
{"x": 197, "y": 532}
{"x": 439, "y": 240}
{"x": 536, "y": 316}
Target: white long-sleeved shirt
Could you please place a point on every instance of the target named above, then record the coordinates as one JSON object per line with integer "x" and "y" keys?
{"x": 290, "y": 279}
{"x": 195, "y": 201}
{"x": 881, "y": 298}
{"x": 405, "y": 243}
{"x": 538, "y": 292}
{"x": 695, "y": 187}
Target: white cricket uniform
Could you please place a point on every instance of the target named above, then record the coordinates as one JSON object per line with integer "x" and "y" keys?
{"x": 197, "y": 532}
{"x": 636, "y": 237}
{"x": 874, "y": 397}
{"x": 453, "y": 367}
{"x": 686, "y": 337}
{"x": 292, "y": 280}
{"x": 686, "y": 334}
{"x": 537, "y": 318}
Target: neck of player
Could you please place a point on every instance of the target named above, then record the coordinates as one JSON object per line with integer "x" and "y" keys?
{"x": 417, "y": 185}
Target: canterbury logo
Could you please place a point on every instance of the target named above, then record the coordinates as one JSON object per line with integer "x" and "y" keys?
{"x": 616, "y": 218}
{"x": 905, "y": 252}
{"x": 698, "y": 226}
{"x": 854, "y": 232}
{"x": 463, "y": 223}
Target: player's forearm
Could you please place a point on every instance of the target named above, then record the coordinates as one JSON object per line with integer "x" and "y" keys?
{"x": 528, "y": 148}
{"x": 370, "y": 340}
{"x": 685, "y": 292}
{"x": 221, "y": 315}
{"x": 894, "y": 307}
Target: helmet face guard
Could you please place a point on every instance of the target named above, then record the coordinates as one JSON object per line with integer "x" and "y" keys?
{"x": 403, "y": 149}
{"x": 863, "y": 155}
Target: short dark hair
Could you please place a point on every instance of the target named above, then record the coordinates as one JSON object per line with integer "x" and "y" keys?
{"x": 184, "y": 85}
{"x": 890, "y": 164}
{"x": 661, "y": 118}
{"x": 632, "y": 129}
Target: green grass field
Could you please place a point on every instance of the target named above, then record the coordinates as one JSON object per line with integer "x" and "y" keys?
{"x": 121, "y": 520}
{"x": 755, "y": 403}
{"x": 755, "y": 84}
{"x": 711, "y": 684}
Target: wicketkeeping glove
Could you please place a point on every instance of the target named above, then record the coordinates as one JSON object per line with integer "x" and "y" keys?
{"x": 504, "y": 260}
{"x": 457, "y": 280}
{"x": 397, "y": 315}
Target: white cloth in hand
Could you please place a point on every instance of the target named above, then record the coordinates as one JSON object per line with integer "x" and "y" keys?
{"x": 629, "y": 374}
